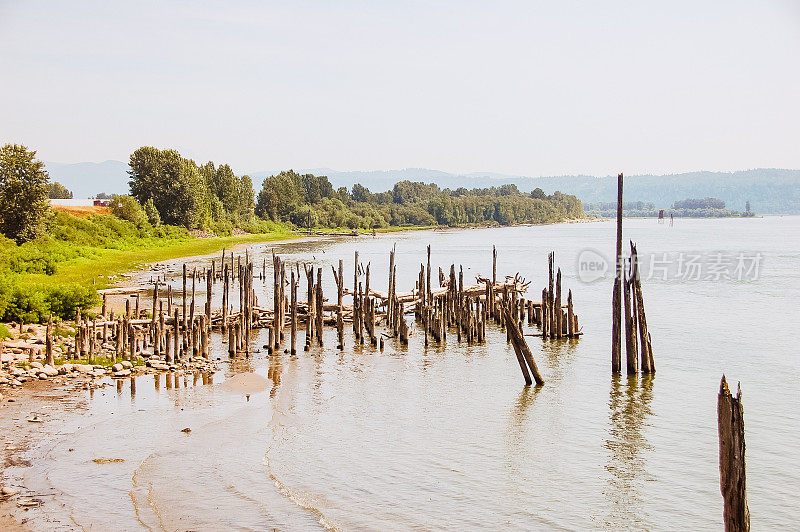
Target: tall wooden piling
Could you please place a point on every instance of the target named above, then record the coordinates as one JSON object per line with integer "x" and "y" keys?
{"x": 183, "y": 315}
{"x": 616, "y": 330}
{"x": 319, "y": 307}
{"x": 293, "y": 306}
{"x": 339, "y": 303}
{"x": 732, "y": 478}
{"x": 209, "y": 287}
{"x": 311, "y": 298}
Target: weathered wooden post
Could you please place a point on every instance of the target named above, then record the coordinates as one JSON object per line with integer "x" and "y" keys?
{"x": 631, "y": 353}
{"x": 557, "y": 312}
{"x": 277, "y": 300}
{"x": 184, "y": 296}
{"x": 494, "y": 266}
{"x": 311, "y": 297}
{"x": 204, "y": 327}
{"x": 524, "y": 355}
{"x": 339, "y": 302}
{"x": 732, "y": 479}
{"x": 570, "y": 316}
{"x": 155, "y": 302}
{"x": 428, "y": 278}
{"x": 209, "y": 287}
{"x": 545, "y": 313}
{"x": 319, "y": 308}
{"x": 355, "y": 296}
{"x": 120, "y": 337}
{"x": 49, "y": 342}
{"x": 232, "y": 341}
{"x": 294, "y": 315}
{"x": 176, "y": 336}
{"x": 225, "y": 303}
{"x": 616, "y": 331}
{"x": 648, "y": 366}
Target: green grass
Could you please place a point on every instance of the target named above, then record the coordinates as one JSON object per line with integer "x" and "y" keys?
{"x": 62, "y": 271}
{"x": 4, "y": 332}
{"x": 96, "y": 270}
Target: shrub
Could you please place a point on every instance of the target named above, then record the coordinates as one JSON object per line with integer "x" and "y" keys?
{"x": 127, "y": 208}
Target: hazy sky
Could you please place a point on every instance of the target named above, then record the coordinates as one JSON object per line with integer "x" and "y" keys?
{"x": 531, "y": 88}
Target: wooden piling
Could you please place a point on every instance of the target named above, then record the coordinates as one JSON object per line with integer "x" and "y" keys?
{"x": 319, "y": 307}
{"x": 523, "y": 352}
{"x": 293, "y": 307}
{"x": 183, "y": 316}
{"x": 49, "y": 343}
{"x": 631, "y": 352}
{"x": 557, "y": 311}
{"x": 647, "y": 364}
{"x": 616, "y": 309}
{"x": 176, "y": 335}
{"x": 732, "y": 478}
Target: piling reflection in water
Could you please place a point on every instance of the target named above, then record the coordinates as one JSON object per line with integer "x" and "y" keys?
{"x": 274, "y": 374}
{"x": 629, "y": 407}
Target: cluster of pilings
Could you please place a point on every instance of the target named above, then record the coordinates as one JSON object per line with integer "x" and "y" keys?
{"x": 555, "y": 319}
{"x": 451, "y": 308}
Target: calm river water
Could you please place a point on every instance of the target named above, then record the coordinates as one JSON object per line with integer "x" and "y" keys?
{"x": 449, "y": 437}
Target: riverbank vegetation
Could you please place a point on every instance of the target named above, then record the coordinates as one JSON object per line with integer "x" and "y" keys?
{"x": 310, "y": 201}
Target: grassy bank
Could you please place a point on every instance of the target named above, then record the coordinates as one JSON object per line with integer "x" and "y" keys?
{"x": 61, "y": 271}
{"x": 96, "y": 270}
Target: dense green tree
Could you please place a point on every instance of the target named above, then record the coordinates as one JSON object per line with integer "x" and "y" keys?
{"x": 360, "y": 193}
{"x": 225, "y": 185}
{"x": 56, "y": 190}
{"x": 173, "y": 183}
{"x": 316, "y": 187}
{"x": 24, "y": 206}
{"x": 246, "y": 204}
{"x": 280, "y": 195}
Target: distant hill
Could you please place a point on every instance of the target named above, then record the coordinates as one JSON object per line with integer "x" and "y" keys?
{"x": 770, "y": 191}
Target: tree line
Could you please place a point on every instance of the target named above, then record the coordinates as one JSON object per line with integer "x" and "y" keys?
{"x": 311, "y": 201}
{"x": 167, "y": 188}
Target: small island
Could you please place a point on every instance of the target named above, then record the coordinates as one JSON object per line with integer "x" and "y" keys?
{"x": 687, "y": 208}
